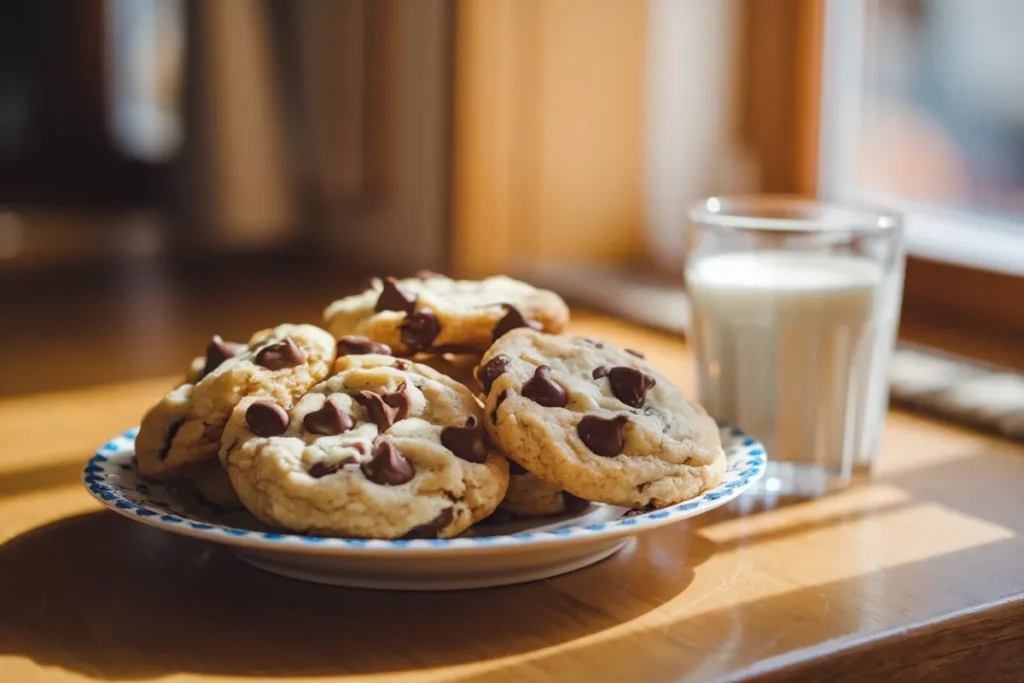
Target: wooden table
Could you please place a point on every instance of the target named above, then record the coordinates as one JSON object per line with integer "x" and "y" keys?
{"x": 915, "y": 577}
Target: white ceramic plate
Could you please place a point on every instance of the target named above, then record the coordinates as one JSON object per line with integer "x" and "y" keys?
{"x": 486, "y": 555}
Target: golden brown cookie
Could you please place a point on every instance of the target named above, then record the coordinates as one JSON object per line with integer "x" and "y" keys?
{"x": 185, "y": 427}
{"x": 437, "y": 314}
{"x": 384, "y": 448}
{"x": 598, "y": 421}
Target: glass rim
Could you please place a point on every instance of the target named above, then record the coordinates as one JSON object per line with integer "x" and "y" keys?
{"x": 766, "y": 213}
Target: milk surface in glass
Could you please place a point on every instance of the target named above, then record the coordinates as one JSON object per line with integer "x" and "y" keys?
{"x": 792, "y": 347}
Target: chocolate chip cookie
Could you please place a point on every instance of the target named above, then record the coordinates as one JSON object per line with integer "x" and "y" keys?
{"x": 530, "y": 496}
{"x": 210, "y": 483}
{"x": 185, "y": 427}
{"x": 598, "y": 421}
{"x": 438, "y": 314}
{"x": 384, "y": 448}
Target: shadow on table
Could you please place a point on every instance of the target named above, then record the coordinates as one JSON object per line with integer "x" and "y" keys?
{"x": 98, "y": 594}
{"x": 67, "y": 472}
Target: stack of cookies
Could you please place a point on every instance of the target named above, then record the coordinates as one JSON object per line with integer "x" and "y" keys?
{"x": 431, "y": 404}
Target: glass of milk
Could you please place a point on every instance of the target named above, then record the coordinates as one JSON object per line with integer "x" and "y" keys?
{"x": 795, "y": 305}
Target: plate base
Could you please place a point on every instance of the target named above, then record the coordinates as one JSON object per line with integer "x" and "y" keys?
{"x": 486, "y": 555}
{"x": 440, "y": 573}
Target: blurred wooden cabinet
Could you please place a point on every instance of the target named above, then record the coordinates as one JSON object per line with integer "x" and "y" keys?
{"x": 548, "y": 125}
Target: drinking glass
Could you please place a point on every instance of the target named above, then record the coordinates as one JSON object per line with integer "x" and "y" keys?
{"x": 794, "y": 309}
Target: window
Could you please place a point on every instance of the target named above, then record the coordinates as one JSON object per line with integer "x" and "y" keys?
{"x": 923, "y": 109}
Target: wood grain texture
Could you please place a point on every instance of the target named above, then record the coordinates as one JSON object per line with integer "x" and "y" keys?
{"x": 934, "y": 652}
{"x": 916, "y": 575}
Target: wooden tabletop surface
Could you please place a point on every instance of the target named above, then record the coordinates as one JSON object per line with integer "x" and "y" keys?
{"x": 917, "y": 576}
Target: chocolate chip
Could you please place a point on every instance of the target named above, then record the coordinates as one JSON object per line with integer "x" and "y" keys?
{"x": 283, "y": 354}
{"x": 328, "y": 420}
{"x": 544, "y": 390}
{"x": 603, "y": 436}
{"x": 401, "y": 364}
{"x": 218, "y": 351}
{"x": 516, "y": 468}
{"x": 513, "y": 319}
{"x": 432, "y": 528}
{"x": 634, "y": 353}
{"x": 497, "y": 404}
{"x": 322, "y": 469}
{"x": 630, "y": 385}
{"x": 425, "y": 274}
{"x": 394, "y": 298}
{"x": 379, "y": 412}
{"x": 574, "y": 504}
{"x": 388, "y": 467}
{"x": 466, "y": 442}
{"x": 492, "y": 370}
{"x": 172, "y": 431}
{"x": 265, "y": 418}
{"x": 399, "y": 400}
{"x": 419, "y": 330}
{"x": 600, "y": 371}
{"x": 354, "y": 345}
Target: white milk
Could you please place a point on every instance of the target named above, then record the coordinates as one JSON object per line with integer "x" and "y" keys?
{"x": 786, "y": 346}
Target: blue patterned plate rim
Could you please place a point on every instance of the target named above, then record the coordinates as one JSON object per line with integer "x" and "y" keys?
{"x": 745, "y": 457}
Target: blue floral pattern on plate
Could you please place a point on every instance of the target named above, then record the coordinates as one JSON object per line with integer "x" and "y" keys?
{"x": 110, "y": 476}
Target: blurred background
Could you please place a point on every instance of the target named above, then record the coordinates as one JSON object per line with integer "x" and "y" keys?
{"x": 173, "y": 168}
